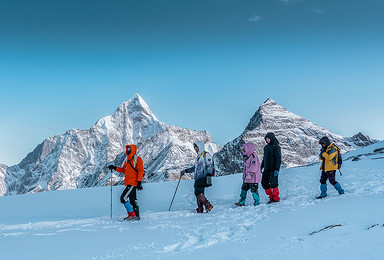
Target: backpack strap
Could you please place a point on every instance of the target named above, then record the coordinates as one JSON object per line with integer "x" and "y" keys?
{"x": 134, "y": 159}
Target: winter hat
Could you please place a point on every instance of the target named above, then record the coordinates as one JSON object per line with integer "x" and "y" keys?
{"x": 325, "y": 140}
{"x": 200, "y": 145}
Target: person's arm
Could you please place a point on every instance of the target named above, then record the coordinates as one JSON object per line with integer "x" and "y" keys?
{"x": 122, "y": 169}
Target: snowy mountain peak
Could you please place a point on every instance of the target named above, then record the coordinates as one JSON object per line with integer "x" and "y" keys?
{"x": 361, "y": 140}
{"x": 268, "y": 111}
{"x": 298, "y": 138}
{"x": 79, "y": 158}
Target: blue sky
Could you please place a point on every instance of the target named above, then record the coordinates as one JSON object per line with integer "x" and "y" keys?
{"x": 203, "y": 65}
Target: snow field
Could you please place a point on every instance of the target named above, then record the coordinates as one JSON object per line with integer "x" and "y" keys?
{"x": 75, "y": 224}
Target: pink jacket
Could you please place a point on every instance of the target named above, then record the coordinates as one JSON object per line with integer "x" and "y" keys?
{"x": 251, "y": 171}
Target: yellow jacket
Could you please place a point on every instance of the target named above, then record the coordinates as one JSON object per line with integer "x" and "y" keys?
{"x": 329, "y": 158}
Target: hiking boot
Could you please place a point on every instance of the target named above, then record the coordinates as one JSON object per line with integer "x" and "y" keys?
{"x": 239, "y": 204}
{"x": 272, "y": 201}
{"x": 200, "y": 210}
{"x": 130, "y": 218}
{"x": 320, "y": 197}
{"x": 209, "y": 209}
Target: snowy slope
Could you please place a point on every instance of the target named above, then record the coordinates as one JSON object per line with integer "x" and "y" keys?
{"x": 75, "y": 224}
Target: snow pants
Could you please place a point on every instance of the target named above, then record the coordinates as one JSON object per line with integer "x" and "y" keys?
{"x": 129, "y": 199}
{"x": 255, "y": 194}
{"x": 201, "y": 200}
{"x": 268, "y": 180}
{"x": 331, "y": 176}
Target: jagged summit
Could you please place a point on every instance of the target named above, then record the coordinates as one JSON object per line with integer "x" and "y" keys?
{"x": 78, "y": 158}
{"x": 268, "y": 113}
{"x": 298, "y": 138}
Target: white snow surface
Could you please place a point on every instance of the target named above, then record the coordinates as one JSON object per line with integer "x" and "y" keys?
{"x": 76, "y": 224}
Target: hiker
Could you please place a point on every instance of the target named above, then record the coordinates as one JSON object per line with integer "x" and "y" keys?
{"x": 133, "y": 170}
{"x": 251, "y": 175}
{"x": 329, "y": 155}
{"x": 203, "y": 169}
{"x": 271, "y": 164}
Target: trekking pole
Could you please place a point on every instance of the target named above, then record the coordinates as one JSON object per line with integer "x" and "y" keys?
{"x": 111, "y": 193}
{"x": 340, "y": 173}
{"x": 175, "y": 193}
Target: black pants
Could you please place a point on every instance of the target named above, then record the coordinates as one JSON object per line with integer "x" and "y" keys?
{"x": 331, "y": 176}
{"x": 129, "y": 194}
{"x": 199, "y": 189}
{"x": 253, "y": 186}
{"x": 268, "y": 180}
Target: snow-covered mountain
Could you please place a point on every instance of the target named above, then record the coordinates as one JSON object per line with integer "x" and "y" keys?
{"x": 298, "y": 139}
{"x": 78, "y": 158}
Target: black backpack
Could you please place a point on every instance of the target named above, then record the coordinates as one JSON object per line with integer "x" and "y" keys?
{"x": 339, "y": 158}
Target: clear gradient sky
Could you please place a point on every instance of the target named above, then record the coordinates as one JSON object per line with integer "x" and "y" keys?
{"x": 203, "y": 65}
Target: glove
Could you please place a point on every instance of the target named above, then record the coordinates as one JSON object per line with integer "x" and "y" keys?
{"x": 276, "y": 173}
{"x": 183, "y": 172}
{"x": 112, "y": 167}
{"x": 139, "y": 186}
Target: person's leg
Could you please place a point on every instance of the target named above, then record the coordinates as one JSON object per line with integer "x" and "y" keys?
{"x": 243, "y": 194}
{"x": 274, "y": 181}
{"x": 199, "y": 190}
{"x": 134, "y": 203}
{"x": 323, "y": 184}
{"x": 265, "y": 184}
{"x": 255, "y": 193}
{"x": 332, "y": 179}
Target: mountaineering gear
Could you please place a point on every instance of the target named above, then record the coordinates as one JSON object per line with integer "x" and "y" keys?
{"x": 256, "y": 198}
{"x": 251, "y": 171}
{"x": 329, "y": 155}
{"x": 330, "y": 162}
{"x": 131, "y": 216}
{"x": 128, "y": 198}
{"x": 183, "y": 172}
{"x": 331, "y": 176}
{"x": 239, "y": 204}
{"x": 269, "y": 193}
{"x": 271, "y": 164}
{"x": 272, "y": 154}
{"x": 112, "y": 167}
{"x": 203, "y": 166}
{"x": 337, "y": 186}
{"x": 323, "y": 189}
{"x": 276, "y": 173}
{"x": 255, "y": 194}
{"x": 268, "y": 180}
{"x": 111, "y": 191}
{"x": 175, "y": 192}
{"x": 275, "y": 194}
{"x": 139, "y": 186}
{"x": 251, "y": 174}
{"x": 132, "y": 168}
{"x": 202, "y": 201}
{"x": 203, "y": 170}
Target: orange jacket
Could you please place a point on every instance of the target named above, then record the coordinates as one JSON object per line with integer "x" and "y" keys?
{"x": 131, "y": 176}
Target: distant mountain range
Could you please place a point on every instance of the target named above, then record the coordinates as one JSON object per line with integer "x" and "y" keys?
{"x": 79, "y": 158}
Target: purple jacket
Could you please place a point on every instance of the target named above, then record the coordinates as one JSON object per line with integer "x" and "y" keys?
{"x": 251, "y": 171}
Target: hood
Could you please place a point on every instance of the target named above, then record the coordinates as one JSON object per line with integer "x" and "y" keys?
{"x": 133, "y": 152}
{"x": 249, "y": 149}
{"x": 272, "y": 137}
{"x": 325, "y": 140}
{"x": 200, "y": 145}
